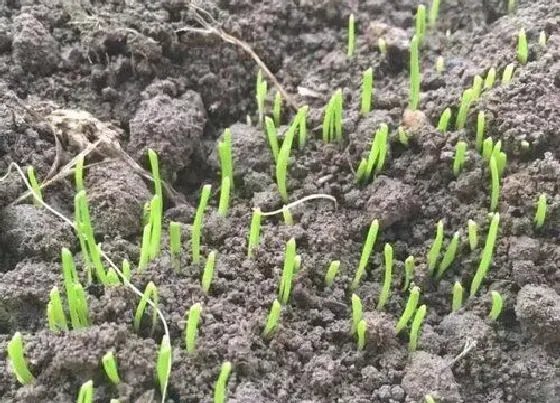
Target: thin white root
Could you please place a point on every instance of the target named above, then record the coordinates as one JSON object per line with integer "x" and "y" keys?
{"x": 301, "y": 201}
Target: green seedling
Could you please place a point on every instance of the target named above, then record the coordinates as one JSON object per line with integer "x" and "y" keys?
{"x": 435, "y": 250}
{"x": 415, "y": 328}
{"x": 409, "y": 309}
{"x": 382, "y": 45}
{"x": 480, "y": 123}
{"x": 288, "y": 218}
{"x": 466, "y": 101}
{"x": 403, "y": 137}
{"x": 367, "y": 88}
{"x": 497, "y": 304}
{"x": 361, "y": 172}
{"x": 522, "y": 47}
{"x": 288, "y": 272}
{"x": 386, "y": 290}
{"x": 272, "y": 319}
{"x": 361, "y": 330}
{"x": 112, "y": 278}
{"x": 414, "y": 89}
{"x": 351, "y": 35}
{"x": 86, "y": 393}
{"x": 78, "y": 307}
{"x": 55, "y": 312}
{"x": 223, "y": 206}
{"x": 220, "y": 391}
{"x": 434, "y": 11}
{"x": 16, "y": 359}
{"x": 225, "y": 153}
{"x": 191, "y": 327}
{"x": 254, "y": 232}
{"x": 511, "y": 6}
{"x": 444, "y": 120}
{"x": 457, "y": 300}
{"x": 429, "y": 399}
{"x": 272, "y": 137}
{"x": 408, "y": 271}
{"x": 197, "y": 224}
{"x": 449, "y": 254}
{"x": 35, "y": 188}
{"x": 542, "y": 39}
{"x": 297, "y": 263}
{"x": 440, "y": 64}
{"x": 473, "y": 238}
{"x": 69, "y": 273}
{"x": 331, "y": 273}
{"x": 163, "y": 364}
{"x": 175, "y": 244}
{"x": 486, "y": 256}
{"x": 490, "y": 79}
{"x": 332, "y": 122}
{"x": 208, "y": 272}
{"x": 79, "y": 174}
{"x": 377, "y": 155}
{"x": 277, "y": 108}
{"x": 283, "y": 159}
{"x": 261, "y": 90}
{"x": 507, "y": 74}
{"x": 495, "y": 193}
{"x": 357, "y": 312}
{"x": 459, "y": 160}
{"x": 540, "y": 214}
{"x": 150, "y": 293}
{"x": 421, "y": 23}
{"x": 301, "y": 120}
{"x": 477, "y": 87}
{"x": 366, "y": 252}
{"x": 110, "y": 366}
{"x": 145, "y": 247}
{"x": 502, "y": 162}
{"x": 487, "y": 146}
{"x": 157, "y": 206}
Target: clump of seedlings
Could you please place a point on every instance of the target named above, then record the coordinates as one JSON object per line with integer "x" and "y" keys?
{"x": 332, "y": 122}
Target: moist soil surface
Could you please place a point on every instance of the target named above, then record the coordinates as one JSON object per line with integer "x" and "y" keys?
{"x": 129, "y": 74}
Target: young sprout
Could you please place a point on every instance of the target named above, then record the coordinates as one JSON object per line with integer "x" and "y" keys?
{"x": 459, "y": 160}
{"x": 197, "y": 224}
{"x": 69, "y": 273}
{"x": 457, "y": 300}
{"x": 254, "y": 232}
{"x": 277, "y": 108}
{"x": 150, "y": 293}
{"x": 157, "y": 206}
{"x": 332, "y": 122}
{"x": 511, "y": 6}
{"x": 386, "y": 290}
{"x": 486, "y": 256}
{"x": 449, "y": 254}
{"x": 490, "y": 78}
{"x": 540, "y": 214}
{"x": 507, "y": 74}
{"x": 473, "y": 239}
{"x": 163, "y": 364}
{"x": 495, "y": 193}
{"x": 477, "y": 87}
{"x": 414, "y": 89}
{"x": 145, "y": 247}
{"x": 55, "y": 312}
{"x": 480, "y": 123}
{"x": 79, "y": 174}
{"x": 466, "y": 101}
{"x": 542, "y": 39}
{"x": 331, "y": 273}
{"x": 408, "y": 271}
{"x": 77, "y": 304}
{"x": 110, "y": 366}
{"x": 487, "y": 147}
{"x": 272, "y": 137}
{"x": 191, "y": 327}
{"x": 497, "y": 304}
{"x": 522, "y": 47}
{"x": 301, "y": 119}
{"x": 357, "y": 312}
{"x": 112, "y": 278}
{"x": 272, "y": 319}
{"x": 403, "y": 137}
{"x": 415, "y": 328}
{"x": 435, "y": 250}
{"x": 208, "y": 272}
{"x": 361, "y": 330}
{"x": 434, "y": 11}
{"x": 221, "y": 384}
{"x": 444, "y": 120}
{"x": 421, "y": 23}
{"x": 223, "y": 205}
{"x": 288, "y": 272}
{"x": 16, "y": 359}
{"x": 501, "y": 159}
{"x": 440, "y": 63}
{"x": 297, "y": 263}
{"x": 361, "y": 172}
{"x": 409, "y": 309}
{"x": 35, "y": 188}
{"x": 382, "y": 45}
{"x": 261, "y": 90}
{"x": 429, "y": 399}
{"x": 367, "y": 89}
{"x": 378, "y": 152}
{"x": 175, "y": 244}
{"x": 225, "y": 153}
{"x": 351, "y": 36}
{"x": 288, "y": 218}
{"x": 86, "y": 393}
{"x": 366, "y": 252}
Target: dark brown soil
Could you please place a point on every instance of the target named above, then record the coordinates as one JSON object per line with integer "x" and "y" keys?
{"x": 125, "y": 63}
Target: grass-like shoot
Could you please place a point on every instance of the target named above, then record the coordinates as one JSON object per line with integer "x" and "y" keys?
{"x": 403, "y": 137}
{"x": 433, "y": 15}
{"x": 382, "y": 45}
{"x": 85, "y": 395}
{"x": 197, "y": 224}
{"x": 357, "y": 312}
{"x": 361, "y": 330}
{"x": 490, "y": 79}
{"x": 414, "y": 89}
{"x": 386, "y": 289}
{"x": 297, "y": 263}
{"x": 288, "y": 272}
{"x": 208, "y": 272}
{"x": 17, "y": 361}
{"x": 435, "y": 250}
{"x": 351, "y": 35}
{"x": 497, "y": 304}
{"x": 540, "y": 214}
{"x": 507, "y": 74}
{"x": 272, "y": 137}
{"x": 377, "y": 155}
{"x": 277, "y": 108}
{"x": 440, "y": 64}
{"x": 55, "y": 312}
{"x": 486, "y": 255}
{"x": 495, "y": 184}
{"x": 511, "y": 6}
{"x": 409, "y": 309}
{"x": 301, "y": 120}
{"x": 487, "y": 146}
{"x": 466, "y": 101}
{"x": 444, "y": 120}
{"x": 332, "y": 121}
{"x": 110, "y": 365}
{"x": 429, "y": 399}
{"x": 191, "y": 327}
{"x": 459, "y": 159}
{"x": 220, "y": 391}
{"x": 157, "y": 207}
{"x": 261, "y": 91}
{"x": 542, "y": 39}
{"x": 69, "y": 272}
{"x": 112, "y": 278}
{"x": 366, "y": 252}
{"x": 254, "y": 232}
{"x": 421, "y": 23}
{"x": 331, "y": 273}
{"x": 150, "y": 293}
{"x": 145, "y": 247}
{"x": 449, "y": 254}
{"x": 226, "y": 158}
{"x": 35, "y": 188}
{"x": 175, "y": 244}
{"x": 473, "y": 238}
{"x": 79, "y": 174}
{"x": 163, "y": 364}
{"x": 409, "y": 266}
{"x": 522, "y": 47}
{"x": 272, "y": 319}
{"x": 457, "y": 299}
{"x": 480, "y": 123}
{"x": 287, "y": 215}
{"x": 415, "y": 328}
{"x": 223, "y": 206}
{"x": 367, "y": 89}
{"x": 477, "y": 87}
{"x": 78, "y": 307}
{"x": 283, "y": 159}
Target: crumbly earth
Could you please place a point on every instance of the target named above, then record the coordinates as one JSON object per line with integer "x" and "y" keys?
{"x": 133, "y": 66}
